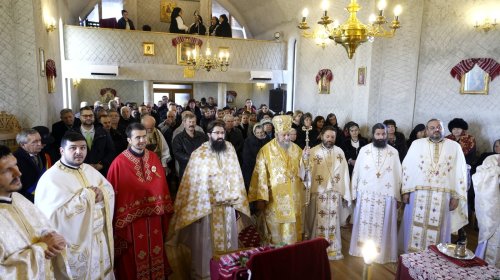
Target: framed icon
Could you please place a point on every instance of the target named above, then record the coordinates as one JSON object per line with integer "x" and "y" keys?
{"x": 166, "y": 8}
{"x": 476, "y": 81}
{"x": 182, "y": 50}
{"x": 148, "y": 48}
{"x": 362, "y": 76}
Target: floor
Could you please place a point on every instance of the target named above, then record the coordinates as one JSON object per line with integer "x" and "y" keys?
{"x": 351, "y": 268}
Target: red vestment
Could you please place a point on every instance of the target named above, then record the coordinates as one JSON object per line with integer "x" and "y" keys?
{"x": 143, "y": 210}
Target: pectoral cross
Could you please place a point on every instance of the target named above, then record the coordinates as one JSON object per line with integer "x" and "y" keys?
{"x": 378, "y": 174}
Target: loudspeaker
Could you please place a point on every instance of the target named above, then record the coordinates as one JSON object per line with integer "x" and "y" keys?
{"x": 277, "y": 100}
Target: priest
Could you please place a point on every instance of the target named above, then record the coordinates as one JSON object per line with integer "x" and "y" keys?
{"x": 143, "y": 210}
{"x": 330, "y": 192}
{"x": 211, "y": 193}
{"x": 487, "y": 188}
{"x": 434, "y": 189}
{"x": 276, "y": 186}
{"x": 79, "y": 202}
{"x": 30, "y": 248}
{"x": 376, "y": 186}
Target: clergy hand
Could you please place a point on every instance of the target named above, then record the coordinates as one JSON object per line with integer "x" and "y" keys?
{"x": 344, "y": 203}
{"x": 260, "y": 205}
{"x": 55, "y": 244}
{"x": 453, "y": 204}
{"x": 98, "y": 194}
{"x": 406, "y": 198}
{"x": 97, "y": 166}
{"x": 305, "y": 153}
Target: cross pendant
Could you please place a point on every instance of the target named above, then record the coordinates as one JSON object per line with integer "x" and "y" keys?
{"x": 378, "y": 174}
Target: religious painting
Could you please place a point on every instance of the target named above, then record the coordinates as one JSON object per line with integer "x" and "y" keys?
{"x": 323, "y": 80}
{"x": 107, "y": 94}
{"x": 230, "y": 96}
{"x": 148, "y": 48}
{"x": 361, "y": 76}
{"x": 182, "y": 49}
{"x": 475, "y": 81}
{"x": 166, "y": 8}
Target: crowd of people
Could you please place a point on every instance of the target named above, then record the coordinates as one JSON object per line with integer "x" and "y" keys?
{"x": 113, "y": 183}
{"x": 219, "y": 26}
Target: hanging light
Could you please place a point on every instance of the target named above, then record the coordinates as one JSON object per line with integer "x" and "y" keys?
{"x": 208, "y": 61}
{"x": 352, "y": 33}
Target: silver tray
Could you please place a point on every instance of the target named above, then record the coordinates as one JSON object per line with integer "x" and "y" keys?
{"x": 449, "y": 250}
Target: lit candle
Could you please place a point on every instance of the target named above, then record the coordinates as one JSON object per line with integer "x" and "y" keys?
{"x": 188, "y": 54}
{"x": 305, "y": 13}
{"x": 397, "y": 11}
{"x": 372, "y": 18}
{"x": 381, "y": 7}
{"x": 324, "y": 6}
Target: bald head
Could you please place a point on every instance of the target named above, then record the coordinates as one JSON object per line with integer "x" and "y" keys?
{"x": 149, "y": 123}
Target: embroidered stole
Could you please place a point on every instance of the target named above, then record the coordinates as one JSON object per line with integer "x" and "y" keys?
{"x": 427, "y": 217}
{"x": 327, "y": 207}
{"x": 371, "y": 219}
{"x": 223, "y": 216}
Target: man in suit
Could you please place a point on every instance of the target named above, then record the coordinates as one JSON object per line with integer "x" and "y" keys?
{"x": 67, "y": 122}
{"x": 101, "y": 150}
{"x": 125, "y": 22}
{"x": 29, "y": 161}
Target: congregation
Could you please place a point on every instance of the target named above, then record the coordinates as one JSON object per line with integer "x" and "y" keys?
{"x": 129, "y": 191}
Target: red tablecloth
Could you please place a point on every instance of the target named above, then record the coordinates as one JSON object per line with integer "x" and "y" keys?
{"x": 428, "y": 265}
{"x": 304, "y": 260}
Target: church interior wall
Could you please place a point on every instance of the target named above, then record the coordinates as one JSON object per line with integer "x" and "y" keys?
{"x": 407, "y": 76}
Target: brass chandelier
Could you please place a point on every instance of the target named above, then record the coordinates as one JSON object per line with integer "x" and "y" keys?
{"x": 353, "y": 32}
{"x": 207, "y": 62}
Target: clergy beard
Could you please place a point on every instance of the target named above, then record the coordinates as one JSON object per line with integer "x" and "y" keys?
{"x": 380, "y": 143}
{"x": 328, "y": 144}
{"x": 218, "y": 145}
{"x": 284, "y": 145}
{"x": 436, "y": 137}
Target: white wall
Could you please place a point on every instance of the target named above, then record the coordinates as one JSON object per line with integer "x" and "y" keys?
{"x": 24, "y": 91}
{"x": 408, "y": 76}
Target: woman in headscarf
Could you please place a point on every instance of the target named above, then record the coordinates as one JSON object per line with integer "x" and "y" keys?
{"x": 176, "y": 22}
{"x": 214, "y": 22}
{"x": 224, "y": 28}
{"x": 197, "y": 27}
{"x": 417, "y": 133}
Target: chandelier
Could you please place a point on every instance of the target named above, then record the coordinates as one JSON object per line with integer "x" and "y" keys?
{"x": 208, "y": 62}
{"x": 353, "y": 32}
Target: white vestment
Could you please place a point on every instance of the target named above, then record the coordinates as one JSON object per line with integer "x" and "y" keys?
{"x": 65, "y": 198}
{"x": 487, "y": 189}
{"x": 22, "y": 254}
{"x": 329, "y": 186}
{"x": 376, "y": 184}
{"x": 433, "y": 173}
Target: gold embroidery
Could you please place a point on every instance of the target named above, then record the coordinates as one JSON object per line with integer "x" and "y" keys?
{"x": 137, "y": 166}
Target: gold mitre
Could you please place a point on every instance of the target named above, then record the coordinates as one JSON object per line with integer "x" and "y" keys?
{"x": 282, "y": 123}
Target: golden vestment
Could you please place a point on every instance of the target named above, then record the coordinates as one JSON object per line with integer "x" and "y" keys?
{"x": 204, "y": 220}
{"x": 330, "y": 184}
{"x": 276, "y": 180}
{"x": 22, "y": 255}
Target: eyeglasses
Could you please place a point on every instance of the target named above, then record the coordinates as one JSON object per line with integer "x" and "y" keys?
{"x": 219, "y": 132}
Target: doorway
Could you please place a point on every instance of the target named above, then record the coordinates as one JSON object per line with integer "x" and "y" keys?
{"x": 178, "y": 93}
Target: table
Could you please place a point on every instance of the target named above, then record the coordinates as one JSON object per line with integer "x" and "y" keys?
{"x": 430, "y": 266}
{"x": 299, "y": 261}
